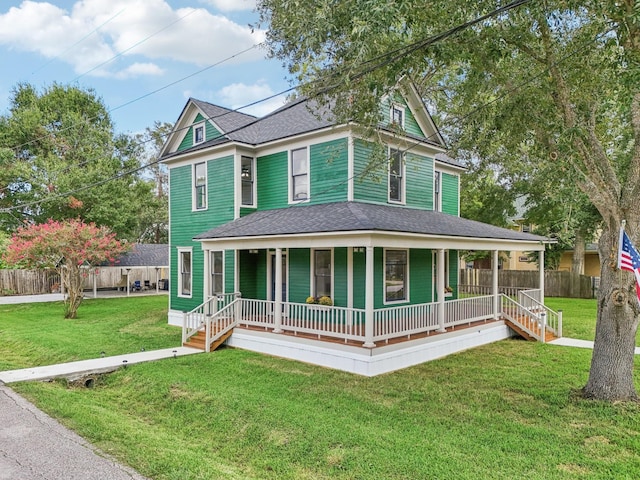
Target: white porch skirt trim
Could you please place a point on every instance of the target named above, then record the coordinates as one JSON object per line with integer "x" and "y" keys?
{"x": 364, "y": 361}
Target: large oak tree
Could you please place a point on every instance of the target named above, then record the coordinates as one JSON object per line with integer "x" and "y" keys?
{"x": 549, "y": 86}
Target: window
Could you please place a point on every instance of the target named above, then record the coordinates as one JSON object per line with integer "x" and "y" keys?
{"x": 437, "y": 202}
{"x": 246, "y": 175}
{"x": 184, "y": 265}
{"x": 396, "y": 166}
{"x": 322, "y": 273}
{"x": 395, "y": 276}
{"x": 200, "y": 186}
{"x": 299, "y": 175}
{"x": 397, "y": 115}
{"x": 217, "y": 272}
{"x": 198, "y": 133}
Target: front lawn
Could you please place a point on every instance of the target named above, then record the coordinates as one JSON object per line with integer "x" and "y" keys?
{"x": 502, "y": 411}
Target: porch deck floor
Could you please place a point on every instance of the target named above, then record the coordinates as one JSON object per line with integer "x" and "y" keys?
{"x": 357, "y": 343}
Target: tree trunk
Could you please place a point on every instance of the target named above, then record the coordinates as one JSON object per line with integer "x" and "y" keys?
{"x": 577, "y": 261}
{"x": 611, "y": 373}
{"x": 74, "y": 282}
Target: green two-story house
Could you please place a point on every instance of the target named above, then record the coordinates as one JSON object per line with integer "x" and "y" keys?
{"x": 319, "y": 235}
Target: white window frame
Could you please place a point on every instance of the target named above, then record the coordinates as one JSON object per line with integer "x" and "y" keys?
{"x": 181, "y": 252}
{"x": 292, "y": 176}
{"x": 252, "y": 180}
{"x": 402, "y": 110}
{"x": 437, "y": 190}
{"x": 212, "y": 273}
{"x": 196, "y": 127}
{"x": 402, "y": 199}
{"x": 313, "y": 291}
{"x": 406, "y": 282}
{"x": 195, "y": 187}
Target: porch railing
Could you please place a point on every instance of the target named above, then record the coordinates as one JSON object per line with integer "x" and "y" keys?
{"x": 221, "y": 322}
{"x": 196, "y": 319}
{"x": 337, "y": 322}
{"x": 482, "y": 290}
{"x": 530, "y": 299}
{"x": 468, "y": 310}
{"x": 404, "y": 321}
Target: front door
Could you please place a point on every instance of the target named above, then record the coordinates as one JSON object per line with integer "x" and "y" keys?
{"x": 272, "y": 267}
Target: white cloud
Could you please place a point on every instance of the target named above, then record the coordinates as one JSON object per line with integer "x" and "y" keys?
{"x": 230, "y": 5}
{"x": 238, "y": 95}
{"x": 95, "y": 31}
{"x": 140, "y": 69}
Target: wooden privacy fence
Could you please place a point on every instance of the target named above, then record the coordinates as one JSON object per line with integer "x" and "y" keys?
{"x": 556, "y": 283}
{"x": 28, "y": 282}
{"x": 34, "y": 282}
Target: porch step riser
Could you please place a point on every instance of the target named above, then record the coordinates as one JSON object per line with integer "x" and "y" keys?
{"x": 199, "y": 341}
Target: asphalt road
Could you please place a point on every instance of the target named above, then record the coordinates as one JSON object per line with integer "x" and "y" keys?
{"x": 33, "y": 446}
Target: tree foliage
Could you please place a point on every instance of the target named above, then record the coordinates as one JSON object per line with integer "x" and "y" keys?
{"x": 60, "y": 159}
{"x": 69, "y": 247}
{"x": 548, "y": 91}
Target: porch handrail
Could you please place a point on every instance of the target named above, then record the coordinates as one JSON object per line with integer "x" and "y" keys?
{"x": 195, "y": 320}
{"x": 531, "y": 299}
{"x": 221, "y": 322}
{"x": 481, "y": 290}
{"x": 331, "y": 321}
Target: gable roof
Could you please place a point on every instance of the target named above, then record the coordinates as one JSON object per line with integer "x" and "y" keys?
{"x": 301, "y": 115}
{"x": 145, "y": 255}
{"x": 356, "y": 216}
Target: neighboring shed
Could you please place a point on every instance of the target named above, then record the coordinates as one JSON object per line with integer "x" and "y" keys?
{"x": 145, "y": 267}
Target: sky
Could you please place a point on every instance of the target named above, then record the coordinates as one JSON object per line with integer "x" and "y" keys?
{"x": 143, "y": 58}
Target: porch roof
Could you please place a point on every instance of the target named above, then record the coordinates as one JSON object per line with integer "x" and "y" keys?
{"x": 362, "y": 224}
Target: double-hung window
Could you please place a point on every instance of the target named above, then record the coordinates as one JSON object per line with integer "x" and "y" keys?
{"x": 299, "y": 175}
{"x": 217, "y": 272}
{"x": 184, "y": 266}
{"x": 247, "y": 179}
{"x": 396, "y": 177}
{"x": 437, "y": 187}
{"x": 397, "y": 116}
{"x": 322, "y": 273}
{"x": 396, "y": 276}
{"x": 200, "y": 186}
{"x": 198, "y": 133}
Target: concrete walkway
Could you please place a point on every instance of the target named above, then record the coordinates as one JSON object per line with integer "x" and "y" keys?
{"x": 574, "y": 342}
{"x": 74, "y": 370}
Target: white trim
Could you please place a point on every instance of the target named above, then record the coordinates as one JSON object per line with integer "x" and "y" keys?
{"x": 254, "y": 192}
{"x": 403, "y": 177}
{"x": 180, "y": 251}
{"x": 285, "y": 256}
{"x": 312, "y": 272}
{"x": 290, "y": 199}
{"x": 384, "y": 278}
{"x": 196, "y": 126}
{"x": 350, "y": 167}
{"x": 210, "y": 272}
{"x": 193, "y": 187}
{"x": 434, "y": 268}
{"x": 437, "y": 174}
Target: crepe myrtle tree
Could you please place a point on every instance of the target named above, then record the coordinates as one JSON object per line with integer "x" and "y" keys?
{"x": 66, "y": 246}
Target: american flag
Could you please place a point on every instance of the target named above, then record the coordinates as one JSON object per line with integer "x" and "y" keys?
{"x": 629, "y": 258}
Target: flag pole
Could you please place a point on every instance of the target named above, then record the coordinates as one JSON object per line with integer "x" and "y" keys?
{"x": 622, "y": 225}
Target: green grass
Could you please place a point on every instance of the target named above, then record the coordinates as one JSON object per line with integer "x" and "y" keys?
{"x": 502, "y": 411}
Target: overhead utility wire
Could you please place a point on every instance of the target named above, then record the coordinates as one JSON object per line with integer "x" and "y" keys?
{"x": 416, "y": 45}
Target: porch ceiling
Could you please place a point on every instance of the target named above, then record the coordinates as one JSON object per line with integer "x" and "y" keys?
{"x": 359, "y": 225}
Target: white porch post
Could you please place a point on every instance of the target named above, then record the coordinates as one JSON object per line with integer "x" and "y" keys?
{"x": 440, "y": 293}
{"x": 494, "y": 284}
{"x": 277, "y": 314}
{"x": 95, "y": 283}
{"x": 369, "y": 292}
{"x": 350, "y": 286}
{"x": 541, "y": 272}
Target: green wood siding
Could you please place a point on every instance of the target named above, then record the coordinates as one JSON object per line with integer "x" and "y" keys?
{"x": 368, "y": 186}
{"x": 340, "y": 286}
{"x": 359, "y": 287}
{"x": 329, "y": 171}
{"x": 272, "y": 178}
{"x": 210, "y": 133}
{"x": 185, "y": 223}
{"x": 299, "y": 281}
{"x": 420, "y": 275}
{"x": 229, "y": 271}
{"x": 450, "y": 193}
{"x": 248, "y": 273}
{"x": 419, "y": 181}
{"x": 453, "y": 272}
{"x": 410, "y": 124}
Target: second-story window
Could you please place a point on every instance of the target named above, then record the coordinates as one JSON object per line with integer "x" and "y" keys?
{"x": 198, "y": 133}
{"x": 299, "y": 175}
{"x": 396, "y": 168}
{"x": 437, "y": 187}
{"x": 200, "y": 186}
{"x": 246, "y": 176}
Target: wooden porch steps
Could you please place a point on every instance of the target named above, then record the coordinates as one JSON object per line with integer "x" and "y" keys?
{"x": 198, "y": 340}
{"x": 548, "y": 336}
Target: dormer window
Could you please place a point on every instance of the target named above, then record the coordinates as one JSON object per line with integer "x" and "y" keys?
{"x": 397, "y": 116}
{"x": 198, "y": 133}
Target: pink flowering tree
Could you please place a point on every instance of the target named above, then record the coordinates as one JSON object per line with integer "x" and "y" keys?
{"x": 66, "y": 246}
